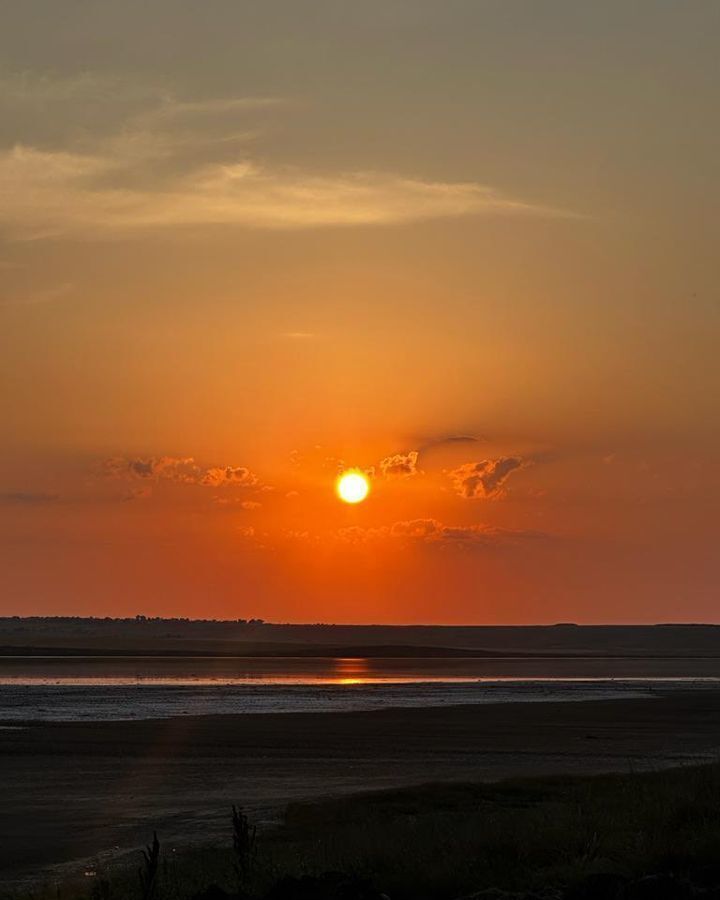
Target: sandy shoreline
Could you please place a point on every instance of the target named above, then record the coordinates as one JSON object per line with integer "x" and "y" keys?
{"x": 74, "y": 790}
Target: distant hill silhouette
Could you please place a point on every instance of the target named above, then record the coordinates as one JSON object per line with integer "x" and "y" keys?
{"x": 70, "y": 635}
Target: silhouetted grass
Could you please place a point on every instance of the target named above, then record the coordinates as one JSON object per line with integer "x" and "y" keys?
{"x": 148, "y": 871}
{"x": 244, "y": 847}
{"x": 439, "y": 842}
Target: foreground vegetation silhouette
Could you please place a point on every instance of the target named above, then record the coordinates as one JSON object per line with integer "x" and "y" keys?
{"x": 611, "y": 837}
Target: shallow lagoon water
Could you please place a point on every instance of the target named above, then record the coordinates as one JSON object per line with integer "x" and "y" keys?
{"x": 34, "y": 689}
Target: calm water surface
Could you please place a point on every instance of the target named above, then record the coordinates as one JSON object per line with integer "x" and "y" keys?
{"x": 101, "y": 688}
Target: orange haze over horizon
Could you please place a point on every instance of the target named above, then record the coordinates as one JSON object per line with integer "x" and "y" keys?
{"x": 464, "y": 249}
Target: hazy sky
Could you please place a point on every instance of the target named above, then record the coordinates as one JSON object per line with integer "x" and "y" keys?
{"x": 468, "y": 247}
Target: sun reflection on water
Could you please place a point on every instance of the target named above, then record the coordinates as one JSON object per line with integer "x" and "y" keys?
{"x": 351, "y": 670}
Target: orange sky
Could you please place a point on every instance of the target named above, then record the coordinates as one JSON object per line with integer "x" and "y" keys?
{"x": 465, "y": 247}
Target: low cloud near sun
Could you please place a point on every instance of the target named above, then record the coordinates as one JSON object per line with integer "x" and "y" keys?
{"x": 181, "y": 470}
{"x": 485, "y": 479}
{"x": 402, "y": 505}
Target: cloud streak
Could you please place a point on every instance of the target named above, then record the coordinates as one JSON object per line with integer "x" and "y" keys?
{"x": 27, "y": 498}
{"x": 73, "y": 196}
{"x": 433, "y": 532}
{"x": 38, "y": 296}
{"x": 174, "y": 164}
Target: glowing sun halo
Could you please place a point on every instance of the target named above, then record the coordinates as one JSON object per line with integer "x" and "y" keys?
{"x": 352, "y": 487}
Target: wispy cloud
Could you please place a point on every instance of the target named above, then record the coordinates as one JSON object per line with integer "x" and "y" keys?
{"x": 137, "y": 493}
{"x": 179, "y": 164}
{"x": 235, "y": 502}
{"x": 450, "y": 440}
{"x": 27, "y": 498}
{"x": 138, "y": 102}
{"x": 72, "y": 195}
{"x": 38, "y": 296}
{"x": 31, "y": 88}
{"x": 434, "y": 532}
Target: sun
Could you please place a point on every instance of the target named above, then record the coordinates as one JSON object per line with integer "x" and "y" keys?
{"x": 352, "y": 487}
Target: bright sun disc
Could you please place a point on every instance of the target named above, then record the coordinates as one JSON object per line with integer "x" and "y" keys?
{"x": 352, "y": 487}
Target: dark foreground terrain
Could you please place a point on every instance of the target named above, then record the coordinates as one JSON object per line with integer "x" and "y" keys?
{"x": 650, "y": 836}
{"x": 85, "y": 793}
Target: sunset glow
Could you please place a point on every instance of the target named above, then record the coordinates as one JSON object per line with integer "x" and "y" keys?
{"x": 365, "y": 312}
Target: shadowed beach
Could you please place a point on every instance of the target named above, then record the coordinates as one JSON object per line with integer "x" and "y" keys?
{"x": 72, "y": 791}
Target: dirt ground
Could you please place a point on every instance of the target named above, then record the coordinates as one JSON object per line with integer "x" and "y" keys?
{"x": 73, "y": 792}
